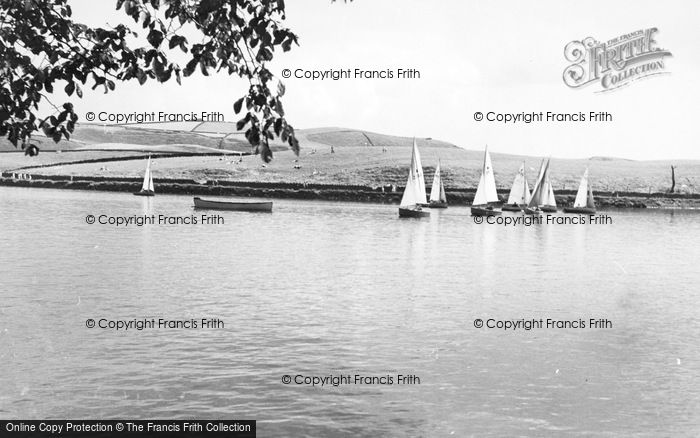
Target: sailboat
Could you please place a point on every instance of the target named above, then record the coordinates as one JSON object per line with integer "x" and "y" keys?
{"x": 520, "y": 192}
{"x": 584, "y": 202}
{"x": 542, "y": 199}
{"x": 147, "y": 186}
{"x": 414, "y": 193}
{"x": 486, "y": 191}
{"x": 550, "y": 205}
{"x": 437, "y": 191}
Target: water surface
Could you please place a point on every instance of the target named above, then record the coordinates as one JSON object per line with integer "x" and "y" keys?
{"x": 319, "y": 288}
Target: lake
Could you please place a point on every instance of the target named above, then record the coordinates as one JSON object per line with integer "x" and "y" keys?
{"x": 320, "y": 289}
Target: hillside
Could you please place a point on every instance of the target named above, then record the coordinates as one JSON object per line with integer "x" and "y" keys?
{"x": 336, "y": 156}
{"x": 91, "y": 137}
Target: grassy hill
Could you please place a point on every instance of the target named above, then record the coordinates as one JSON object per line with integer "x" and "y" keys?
{"x": 333, "y": 156}
{"x": 90, "y": 137}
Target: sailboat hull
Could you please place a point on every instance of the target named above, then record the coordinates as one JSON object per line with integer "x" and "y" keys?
{"x": 483, "y": 211}
{"x": 579, "y": 210}
{"x": 412, "y": 212}
{"x": 511, "y": 207}
{"x": 548, "y": 209}
{"x": 532, "y": 210}
{"x": 145, "y": 193}
{"x": 437, "y": 204}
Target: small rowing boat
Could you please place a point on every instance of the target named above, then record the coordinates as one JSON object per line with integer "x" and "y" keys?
{"x": 264, "y": 206}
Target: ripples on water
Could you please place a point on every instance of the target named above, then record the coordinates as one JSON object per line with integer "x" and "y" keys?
{"x": 335, "y": 288}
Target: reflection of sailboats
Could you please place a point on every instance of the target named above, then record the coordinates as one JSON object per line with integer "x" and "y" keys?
{"x": 147, "y": 187}
{"x": 584, "y": 202}
{"x": 486, "y": 191}
{"x": 520, "y": 192}
{"x": 542, "y": 199}
{"x": 414, "y": 193}
{"x": 437, "y": 191}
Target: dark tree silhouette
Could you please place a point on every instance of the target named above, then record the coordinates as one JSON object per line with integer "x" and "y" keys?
{"x": 42, "y": 47}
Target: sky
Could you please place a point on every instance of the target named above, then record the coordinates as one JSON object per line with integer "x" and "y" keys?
{"x": 505, "y": 57}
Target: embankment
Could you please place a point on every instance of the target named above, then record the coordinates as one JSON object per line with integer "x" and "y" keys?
{"x": 329, "y": 192}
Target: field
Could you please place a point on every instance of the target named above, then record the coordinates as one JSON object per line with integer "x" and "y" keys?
{"x": 330, "y": 156}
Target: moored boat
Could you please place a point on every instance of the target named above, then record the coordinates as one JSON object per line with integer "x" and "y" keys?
{"x": 147, "y": 186}
{"x": 511, "y": 207}
{"x": 485, "y": 211}
{"x": 261, "y": 206}
{"x": 437, "y": 191}
{"x": 413, "y": 212}
{"x": 519, "y": 195}
{"x": 486, "y": 190}
{"x": 414, "y": 193}
{"x": 584, "y": 203}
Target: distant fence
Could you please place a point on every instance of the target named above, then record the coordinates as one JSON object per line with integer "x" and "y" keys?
{"x": 129, "y": 158}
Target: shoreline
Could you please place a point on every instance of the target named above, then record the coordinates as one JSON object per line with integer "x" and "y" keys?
{"x": 326, "y": 192}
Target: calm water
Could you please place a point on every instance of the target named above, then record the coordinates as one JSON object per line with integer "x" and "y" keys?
{"x": 333, "y": 288}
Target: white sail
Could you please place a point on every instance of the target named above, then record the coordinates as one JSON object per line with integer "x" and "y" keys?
{"x": 551, "y": 200}
{"x": 409, "y": 194}
{"x": 413, "y": 194}
{"x": 486, "y": 191}
{"x": 147, "y": 180}
{"x": 540, "y": 192}
{"x": 582, "y": 194}
{"x": 520, "y": 192}
{"x": 526, "y": 189}
{"x": 437, "y": 191}
{"x": 416, "y": 164}
{"x": 590, "y": 202}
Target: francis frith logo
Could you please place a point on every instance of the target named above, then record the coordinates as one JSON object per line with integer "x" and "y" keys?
{"x": 614, "y": 63}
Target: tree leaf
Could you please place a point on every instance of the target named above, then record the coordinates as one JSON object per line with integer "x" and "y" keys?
{"x": 155, "y": 37}
{"x": 237, "y": 105}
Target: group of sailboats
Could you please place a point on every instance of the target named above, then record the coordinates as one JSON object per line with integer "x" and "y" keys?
{"x": 413, "y": 199}
{"x": 486, "y": 199}
{"x": 542, "y": 199}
